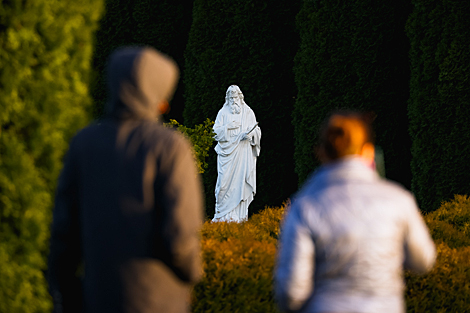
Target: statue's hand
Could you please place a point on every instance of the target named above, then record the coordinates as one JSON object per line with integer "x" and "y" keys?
{"x": 233, "y": 125}
{"x": 246, "y": 136}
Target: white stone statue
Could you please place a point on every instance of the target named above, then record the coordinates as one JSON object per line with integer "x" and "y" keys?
{"x": 238, "y": 147}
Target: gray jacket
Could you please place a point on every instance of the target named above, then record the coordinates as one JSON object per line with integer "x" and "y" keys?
{"x": 345, "y": 241}
{"x": 129, "y": 204}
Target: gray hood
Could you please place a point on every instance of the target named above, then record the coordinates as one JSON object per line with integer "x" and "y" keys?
{"x": 138, "y": 79}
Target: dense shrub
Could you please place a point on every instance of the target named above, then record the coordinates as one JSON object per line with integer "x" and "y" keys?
{"x": 451, "y": 222}
{"x": 45, "y": 53}
{"x": 439, "y": 100}
{"x": 238, "y": 277}
{"x": 444, "y": 232}
{"x": 250, "y": 44}
{"x": 25, "y": 204}
{"x": 353, "y": 55}
{"x": 238, "y": 265}
{"x": 446, "y": 288}
{"x": 239, "y": 262}
{"x": 201, "y": 137}
{"x": 263, "y": 226}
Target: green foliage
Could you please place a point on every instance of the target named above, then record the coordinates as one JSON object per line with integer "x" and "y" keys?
{"x": 202, "y": 139}
{"x": 353, "y": 55}
{"x": 25, "y": 204}
{"x": 250, "y": 44}
{"x": 162, "y": 24}
{"x": 45, "y": 54}
{"x": 438, "y": 105}
{"x": 238, "y": 265}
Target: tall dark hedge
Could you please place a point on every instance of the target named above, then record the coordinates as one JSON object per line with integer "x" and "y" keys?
{"x": 250, "y": 44}
{"x": 439, "y": 105}
{"x": 162, "y": 24}
{"x": 45, "y": 54}
{"x": 353, "y": 55}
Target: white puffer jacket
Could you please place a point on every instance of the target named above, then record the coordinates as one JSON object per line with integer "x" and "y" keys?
{"x": 345, "y": 241}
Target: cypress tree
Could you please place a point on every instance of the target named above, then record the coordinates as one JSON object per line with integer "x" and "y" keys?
{"x": 162, "y": 24}
{"x": 117, "y": 28}
{"x": 439, "y": 32}
{"x": 165, "y": 25}
{"x": 353, "y": 55}
{"x": 250, "y": 44}
{"x": 46, "y": 48}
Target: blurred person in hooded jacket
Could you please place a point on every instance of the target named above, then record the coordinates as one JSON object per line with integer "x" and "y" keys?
{"x": 128, "y": 205}
{"x": 349, "y": 234}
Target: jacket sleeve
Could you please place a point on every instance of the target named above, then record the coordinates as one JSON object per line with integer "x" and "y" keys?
{"x": 179, "y": 192}
{"x": 65, "y": 246}
{"x": 420, "y": 251}
{"x": 295, "y": 266}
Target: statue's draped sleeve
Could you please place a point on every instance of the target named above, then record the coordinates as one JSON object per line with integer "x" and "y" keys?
{"x": 255, "y": 141}
{"x": 220, "y": 128}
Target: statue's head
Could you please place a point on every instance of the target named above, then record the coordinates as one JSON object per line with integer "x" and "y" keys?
{"x": 234, "y": 99}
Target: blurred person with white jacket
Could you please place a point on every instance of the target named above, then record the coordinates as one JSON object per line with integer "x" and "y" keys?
{"x": 349, "y": 234}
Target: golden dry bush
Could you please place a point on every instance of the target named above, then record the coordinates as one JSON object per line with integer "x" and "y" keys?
{"x": 238, "y": 264}
{"x": 239, "y": 260}
{"x": 446, "y": 288}
{"x": 451, "y": 222}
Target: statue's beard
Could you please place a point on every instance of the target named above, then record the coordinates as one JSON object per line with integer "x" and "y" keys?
{"x": 235, "y": 108}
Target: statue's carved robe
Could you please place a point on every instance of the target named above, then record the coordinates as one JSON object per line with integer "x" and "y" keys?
{"x": 236, "y": 163}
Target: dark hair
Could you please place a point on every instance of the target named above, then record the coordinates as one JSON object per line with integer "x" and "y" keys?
{"x": 344, "y": 133}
